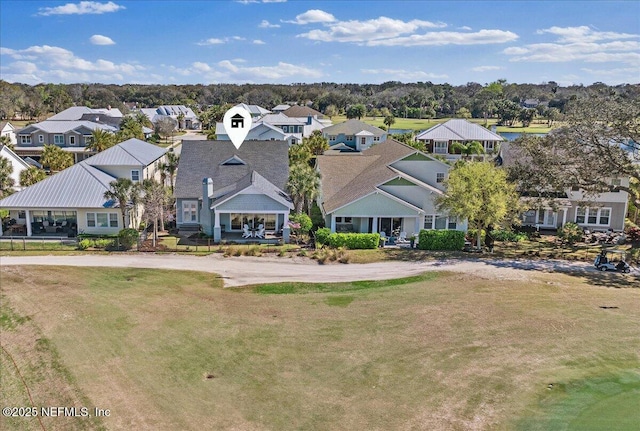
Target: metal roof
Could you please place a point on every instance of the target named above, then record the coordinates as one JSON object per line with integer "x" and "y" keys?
{"x": 351, "y": 127}
{"x": 49, "y": 126}
{"x": 132, "y": 152}
{"x": 79, "y": 186}
{"x": 459, "y": 130}
{"x": 76, "y": 112}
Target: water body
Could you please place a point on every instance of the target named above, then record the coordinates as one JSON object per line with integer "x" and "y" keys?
{"x": 512, "y": 136}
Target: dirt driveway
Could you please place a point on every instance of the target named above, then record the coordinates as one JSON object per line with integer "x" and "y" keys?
{"x": 239, "y": 271}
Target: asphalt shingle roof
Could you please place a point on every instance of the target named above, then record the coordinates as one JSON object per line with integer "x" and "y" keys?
{"x": 459, "y": 130}
{"x": 301, "y": 111}
{"x": 202, "y": 159}
{"x": 349, "y": 177}
{"x": 351, "y": 127}
{"x": 132, "y": 152}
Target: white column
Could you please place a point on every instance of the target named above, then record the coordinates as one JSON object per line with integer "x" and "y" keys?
{"x": 217, "y": 220}
{"x": 416, "y": 228}
{"x": 27, "y": 215}
{"x": 374, "y": 225}
{"x": 333, "y": 223}
{"x": 286, "y": 220}
{"x": 564, "y": 216}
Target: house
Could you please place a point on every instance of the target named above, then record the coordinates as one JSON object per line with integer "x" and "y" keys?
{"x": 7, "y": 129}
{"x": 440, "y": 138}
{"x": 260, "y": 132}
{"x": 17, "y": 164}
{"x": 220, "y": 189}
{"x": 255, "y": 110}
{"x": 300, "y": 127}
{"x": 71, "y": 135}
{"x": 72, "y": 201}
{"x": 75, "y": 113}
{"x": 354, "y": 134}
{"x": 389, "y": 187}
{"x": 597, "y": 213}
{"x": 184, "y": 116}
{"x": 280, "y": 108}
{"x": 304, "y": 112}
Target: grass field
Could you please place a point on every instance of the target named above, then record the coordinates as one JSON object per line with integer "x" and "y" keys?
{"x": 173, "y": 350}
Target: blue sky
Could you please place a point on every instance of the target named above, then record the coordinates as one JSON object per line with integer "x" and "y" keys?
{"x": 276, "y": 41}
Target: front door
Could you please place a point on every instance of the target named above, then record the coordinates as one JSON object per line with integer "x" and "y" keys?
{"x": 547, "y": 218}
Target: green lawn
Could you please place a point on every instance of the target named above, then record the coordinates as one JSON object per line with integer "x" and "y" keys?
{"x": 168, "y": 350}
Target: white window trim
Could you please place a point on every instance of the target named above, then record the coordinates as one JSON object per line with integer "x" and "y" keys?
{"x": 25, "y": 139}
{"x": 135, "y": 170}
{"x": 588, "y": 210}
{"x": 437, "y": 150}
{"x": 188, "y": 206}
{"x": 93, "y": 216}
{"x": 433, "y": 221}
{"x": 55, "y": 139}
{"x": 72, "y": 140}
{"x": 41, "y": 139}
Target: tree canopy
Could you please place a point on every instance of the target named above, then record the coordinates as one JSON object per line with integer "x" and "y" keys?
{"x": 55, "y": 158}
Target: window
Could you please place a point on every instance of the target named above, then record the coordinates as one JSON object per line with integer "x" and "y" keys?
{"x": 595, "y": 216}
{"x": 135, "y": 175}
{"x": 338, "y": 219}
{"x": 440, "y": 177}
{"x": 22, "y": 214}
{"x": 580, "y": 215}
{"x": 285, "y": 129}
{"x": 592, "y": 216}
{"x": 350, "y": 138}
{"x": 332, "y": 138}
{"x": 428, "y": 222}
{"x": 91, "y": 219}
{"x": 440, "y": 147}
{"x": 25, "y": 139}
{"x": 189, "y": 212}
{"x": 40, "y": 139}
{"x": 529, "y": 217}
{"x": 453, "y": 223}
{"x": 605, "y": 213}
{"x": 72, "y": 140}
{"x": 575, "y": 188}
{"x": 58, "y": 139}
{"x": 102, "y": 219}
{"x": 113, "y": 220}
{"x": 441, "y": 222}
{"x": 376, "y": 139}
{"x": 489, "y": 146}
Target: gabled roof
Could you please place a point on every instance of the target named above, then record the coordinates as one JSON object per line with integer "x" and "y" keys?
{"x": 459, "y": 130}
{"x": 280, "y": 108}
{"x": 76, "y": 112}
{"x": 298, "y": 111}
{"x": 259, "y": 183}
{"x": 79, "y": 186}
{"x": 254, "y": 109}
{"x": 281, "y": 119}
{"x": 350, "y": 177}
{"x": 132, "y": 152}
{"x": 13, "y": 157}
{"x": 4, "y": 124}
{"x": 351, "y": 127}
{"x": 49, "y": 126}
{"x": 202, "y": 159}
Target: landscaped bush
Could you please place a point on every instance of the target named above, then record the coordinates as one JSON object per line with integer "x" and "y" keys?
{"x": 507, "y": 235}
{"x": 570, "y": 233}
{"x": 127, "y": 238}
{"x": 322, "y": 236}
{"x": 95, "y": 243}
{"x": 102, "y": 243}
{"x": 84, "y": 244}
{"x": 354, "y": 241}
{"x": 441, "y": 240}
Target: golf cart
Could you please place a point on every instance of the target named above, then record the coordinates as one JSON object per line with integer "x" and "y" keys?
{"x": 612, "y": 260}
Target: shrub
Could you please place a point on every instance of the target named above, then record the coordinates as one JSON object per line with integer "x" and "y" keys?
{"x": 322, "y": 235}
{"x": 441, "y": 240}
{"x": 302, "y": 222}
{"x": 570, "y": 233}
{"x": 127, "y": 238}
{"x": 354, "y": 241}
{"x": 633, "y": 235}
{"x": 84, "y": 244}
{"x": 507, "y": 235}
{"x": 102, "y": 243}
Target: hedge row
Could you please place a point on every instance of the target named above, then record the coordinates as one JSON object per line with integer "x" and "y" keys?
{"x": 353, "y": 241}
{"x": 441, "y": 240}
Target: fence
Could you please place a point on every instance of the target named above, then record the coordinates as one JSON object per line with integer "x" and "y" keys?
{"x": 38, "y": 244}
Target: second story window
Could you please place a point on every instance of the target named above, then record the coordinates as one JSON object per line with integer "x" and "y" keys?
{"x": 41, "y": 139}
{"x": 440, "y": 177}
{"x": 349, "y": 138}
{"x": 25, "y": 139}
{"x": 135, "y": 175}
{"x": 58, "y": 139}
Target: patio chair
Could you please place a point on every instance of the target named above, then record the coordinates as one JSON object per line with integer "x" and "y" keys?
{"x": 246, "y": 233}
{"x": 402, "y": 238}
{"x": 260, "y": 231}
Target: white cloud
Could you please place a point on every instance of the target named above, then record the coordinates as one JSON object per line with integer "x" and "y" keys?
{"x": 282, "y": 70}
{"x": 98, "y": 39}
{"x": 441, "y": 38}
{"x": 82, "y": 8}
{"x": 403, "y": 75}
{"x": 267, "y": 24}
{"x": 579, "y": 44}
{"x": 202, "y": 67}
{"x": 485, "y": 68}
{"x": 259, "y": 42}
{"x": 210, "y": 41}
{"x": 465, "y": 27}
{"x": 313, "y": 16}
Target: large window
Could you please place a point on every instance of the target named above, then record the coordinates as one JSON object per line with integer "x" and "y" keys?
{"x": 25, "y": 139}
{"x": 253, "y": 221}
{"x": 593, "y": 215}
{"x": 440, "y": 147}
{"x": 102, "y": 219}
{"x": 58, "y": 139}
{"x": 189, "y": 212}
{"x": 440, "y": 222}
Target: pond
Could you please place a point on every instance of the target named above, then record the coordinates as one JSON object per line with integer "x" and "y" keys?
{"x": 512, "y": 136}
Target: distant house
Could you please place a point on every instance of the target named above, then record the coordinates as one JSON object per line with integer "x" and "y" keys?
{"x": 305, "y": 112}
{"x": 389, "y": 187}
{"x": 530, "y": 103}
{"x": 255, "y": 110}
{"x": 300, "y": 127}
{"x": 72, "y": 201}
{"x": 184, "y": 116}
{"x": 440, "y": 138}
{"x": 17, "y": 164}
{"x": 260, "y": 132}
{"x": 226, "y": 192}
{"x": 7, "y": 129}
{"x": 75, "y": 113}
{"x": 354, "y": 134}
{"x": 280, "y": 108}
{"x": 596, "y": 213}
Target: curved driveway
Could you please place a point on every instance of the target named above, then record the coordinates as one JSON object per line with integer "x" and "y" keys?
{"x": 239, "y": 271}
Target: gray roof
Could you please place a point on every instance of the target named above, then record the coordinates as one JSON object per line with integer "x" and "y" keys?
{"x": 260, "y": 183}
{"x": 351, "y": 127}
{"x": 49, "y": 126}
{"x": 349, "y": 177}
{"x": 79, "y": 186}
{"x": 254, "y": 109}
{"x": 459, "y": 130}
{"x": 298, "y": 111}
{"x": 282, "y": 107}
{"x": 132, "y": 152}
{"x": 202, "y": 159}
{"x": 76, "y": 112}
{"x": 281, "y": 119}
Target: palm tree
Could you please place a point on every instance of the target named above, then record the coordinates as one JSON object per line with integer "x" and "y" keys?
{"x": 170, "y": 167}
{"x": 154, "y": 199}
{"x": 6, "y": 182}
{"x": 389, "y": 120}
{"x": 101, "y": 140}
{"x": 31, "y": 176}
{"x": 303, "y": 185}
{"x": 55, "y": 158}
{"x": 6, "y": 140}
{"x": 468, "y": 149}
{"x": 143, "y": 120}
{"x": 120, "y": 191}
{"x": 130, "y": 128}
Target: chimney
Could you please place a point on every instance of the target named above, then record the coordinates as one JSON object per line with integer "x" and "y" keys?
{"x": 207, "y": 190}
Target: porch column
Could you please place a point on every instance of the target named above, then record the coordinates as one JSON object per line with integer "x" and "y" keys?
{"x": 28, "y": 221}
{"x": 564, "y": 216}
{"x": 374, "y": 225}
{"x": 333, "y": 223}
{"x": 286, "y": 230}
{"x": 416, "y": 228}
{"x": 217, "y": 234}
